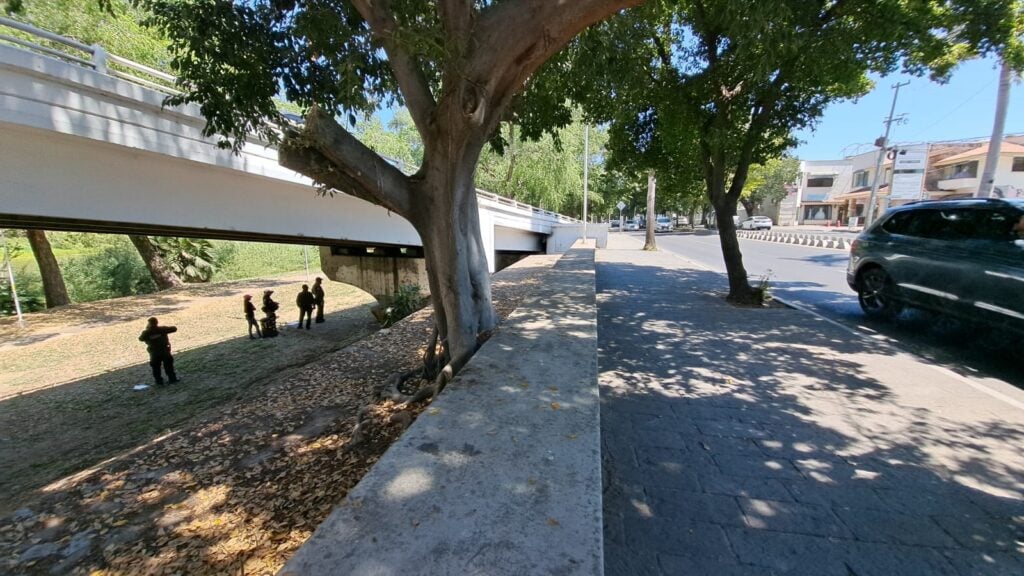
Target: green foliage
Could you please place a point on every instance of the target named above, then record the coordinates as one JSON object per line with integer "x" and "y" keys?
{"x": 398, "y": 140}
{"x": 116, "y": 270}
{"x": 546, "y": 172}
{"x": 192, "y": 260}
{"x": 767, "y": 182}
{"x": 30, "y": 293}
{"x": 238, "y": 260}
{"x": 407, "y": 300}
{"x": 118, "y": 29}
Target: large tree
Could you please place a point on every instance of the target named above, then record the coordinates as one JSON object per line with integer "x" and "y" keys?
{"x": 456, "y": 65}
{"x": 719, "y": 85}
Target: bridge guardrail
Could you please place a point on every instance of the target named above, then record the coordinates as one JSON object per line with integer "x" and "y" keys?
{"x": 98, "y": 59}
{"x": 94, "y": 56}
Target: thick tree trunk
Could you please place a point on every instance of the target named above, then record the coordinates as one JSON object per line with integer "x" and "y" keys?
{"x": 53, "y": 281}
{"x": 448, "y": 220}
{"x": 740, "y": 290}
{"x": 162, "y": 275}
{"x": 650, "y": 243}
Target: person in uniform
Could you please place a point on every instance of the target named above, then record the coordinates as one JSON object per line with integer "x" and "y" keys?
{"x": 318, "y": 298}
{"x": 250, "y": 316}
{"x": 305, "y": 302}
{"x": 159, "y": 347}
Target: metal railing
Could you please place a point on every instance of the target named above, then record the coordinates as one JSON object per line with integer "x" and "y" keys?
{"x": 97, "y": 58}
{"x": 89, "y": 56}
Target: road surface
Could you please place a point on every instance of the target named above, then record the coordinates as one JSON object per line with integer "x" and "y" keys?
{"x": 815, "y": 278}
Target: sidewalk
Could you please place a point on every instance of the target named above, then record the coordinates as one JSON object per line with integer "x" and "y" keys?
{"x": 739, "y": 441}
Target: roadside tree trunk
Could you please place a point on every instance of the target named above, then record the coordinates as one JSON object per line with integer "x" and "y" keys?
{"x": 158, "y": 269}
{"x": 725, "y": 200}
{"x": 53, "y": 281}
{"x": 749, "y": 206}
{"x": 649, "y": 242}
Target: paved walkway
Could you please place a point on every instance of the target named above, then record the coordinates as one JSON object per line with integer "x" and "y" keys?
{"x": 740, "y": 441}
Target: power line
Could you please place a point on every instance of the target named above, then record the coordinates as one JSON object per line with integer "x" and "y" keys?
{"x": 954, "y": 110}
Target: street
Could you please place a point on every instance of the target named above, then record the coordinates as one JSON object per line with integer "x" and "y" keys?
{"x": 815, "y": 278}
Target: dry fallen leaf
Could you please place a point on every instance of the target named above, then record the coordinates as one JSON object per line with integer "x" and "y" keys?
{"x": 555, "y": 405}
{"x": 552, "y": 522}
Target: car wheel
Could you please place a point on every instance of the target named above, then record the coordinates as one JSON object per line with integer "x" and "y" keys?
{"x": 875, "y": 295}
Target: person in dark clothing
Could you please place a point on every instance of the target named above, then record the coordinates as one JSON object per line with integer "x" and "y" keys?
{"x": 250, "y": 316}
{"x": 270, "y": 309}
{"x": 318, "y": 298}
{"x": 305, "y": 302}
{"x": 159, "y": 347}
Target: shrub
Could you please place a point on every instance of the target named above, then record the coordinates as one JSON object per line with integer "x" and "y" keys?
{"x": 115, "y": 271}
{"x": 407, "y": 300}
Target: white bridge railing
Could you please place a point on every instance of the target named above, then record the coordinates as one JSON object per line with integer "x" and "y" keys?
{"x": 96, "y": 58}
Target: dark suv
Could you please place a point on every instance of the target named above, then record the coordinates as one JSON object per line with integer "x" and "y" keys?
{"x": 961, "y": 257}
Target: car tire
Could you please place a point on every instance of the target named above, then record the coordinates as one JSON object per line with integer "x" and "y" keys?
{"x": 876, "y": 295}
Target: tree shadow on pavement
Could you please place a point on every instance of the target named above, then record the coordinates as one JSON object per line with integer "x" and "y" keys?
{"x": 769, "y": 441}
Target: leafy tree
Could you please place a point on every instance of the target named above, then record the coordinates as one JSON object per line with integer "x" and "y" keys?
{"x": 548, "y": 171}
{"x": 191, "y": 260}
{"x": 714, "y": 86}
{"x": 163, "y": 277}
{"x": 397, "y": 140}
{"x": 767, "y": 182}
{"x": 456, "y": 65}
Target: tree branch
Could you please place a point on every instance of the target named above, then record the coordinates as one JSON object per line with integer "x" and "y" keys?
{"x": 456, "y": 17}
{"x": 515, "y": 38}
{"x": 411, "y": 81}
{"x": 330, "y": 155}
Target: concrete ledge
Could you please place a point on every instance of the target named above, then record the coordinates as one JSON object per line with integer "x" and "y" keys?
{"x": 502, "y": 474}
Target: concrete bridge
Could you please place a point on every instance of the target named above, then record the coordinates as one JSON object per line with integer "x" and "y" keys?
{"x": 87, "y": 145}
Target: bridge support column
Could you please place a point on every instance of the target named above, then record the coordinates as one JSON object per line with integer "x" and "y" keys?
{"x": 377, "y": 270}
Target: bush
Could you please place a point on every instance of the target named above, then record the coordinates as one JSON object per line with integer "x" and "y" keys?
{"x": 407, "y": 300}
{"x": 30, "y": 294}
{"x": 115, "y": 271}
{"x": 238, "y": 260}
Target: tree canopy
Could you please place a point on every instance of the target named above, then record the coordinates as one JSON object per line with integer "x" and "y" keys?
{"x": 714, "y": 86}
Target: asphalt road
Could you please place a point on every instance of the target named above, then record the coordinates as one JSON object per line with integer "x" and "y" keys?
{"x": 816, "y": 278}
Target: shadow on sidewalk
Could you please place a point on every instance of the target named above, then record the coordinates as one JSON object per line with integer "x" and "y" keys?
{"x": 762, "y": 441}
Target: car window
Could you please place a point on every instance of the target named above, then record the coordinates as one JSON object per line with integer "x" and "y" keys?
{"x": 993, "y": 224}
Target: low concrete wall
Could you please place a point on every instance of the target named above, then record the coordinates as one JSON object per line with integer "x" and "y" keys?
{"x": 564, "y": 236}
{"x": 502, "y": 474}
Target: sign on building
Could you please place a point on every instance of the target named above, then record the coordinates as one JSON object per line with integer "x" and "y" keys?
{"x": 909, "y": 163}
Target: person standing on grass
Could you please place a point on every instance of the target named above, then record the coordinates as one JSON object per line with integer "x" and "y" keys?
{"x": 305, "y": 302}
{"x": 250, "y": 316}
{"x": 159, "y": 347}
{"x": 318, "y": 298}
{"x": 270, "y": 309}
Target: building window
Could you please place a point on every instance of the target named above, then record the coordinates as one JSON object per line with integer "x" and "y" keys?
{"x": 819, "y": 182}
{"x": 860, "y": 179}
{"x": 818, "y": 212}
{"x": 1018, "y": 164}
{"x": 962, "y": 170}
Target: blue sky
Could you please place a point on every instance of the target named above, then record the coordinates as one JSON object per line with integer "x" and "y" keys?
{"x": 962, "y": 108}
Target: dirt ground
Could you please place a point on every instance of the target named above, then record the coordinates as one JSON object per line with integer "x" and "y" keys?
{"x": 226, "y": 473}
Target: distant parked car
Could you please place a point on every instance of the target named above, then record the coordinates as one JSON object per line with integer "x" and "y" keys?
{"x": 632, "y": 225}
{"x": 662, "y": 224}
{"x": 964, "y": 258}
{"x": 614, "y": 225}
{"x": 756, "y": 223}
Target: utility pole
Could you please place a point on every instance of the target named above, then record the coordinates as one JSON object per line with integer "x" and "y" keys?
{"x": 586, "y": 175}
{"x": 882, "y": 143}
{"x": 988, "y": 177}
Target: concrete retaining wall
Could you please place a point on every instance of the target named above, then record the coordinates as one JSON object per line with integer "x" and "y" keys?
{"x": 502, "y": 474}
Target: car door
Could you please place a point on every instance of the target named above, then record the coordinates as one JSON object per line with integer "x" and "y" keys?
{"x": 906, "y": 249}
{"x": 948, "y": 280}
{"x": 997, "y": 258}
